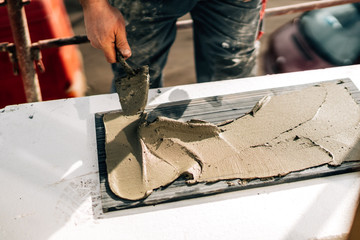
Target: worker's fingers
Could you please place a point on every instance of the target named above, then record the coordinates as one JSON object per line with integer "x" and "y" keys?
{"x": 94, "y": 42}
{"x": 124, "y": 49}
{"x": 109, "y": 52}
{"x": 107, "y": 46}
{"x": 121, "y": 42}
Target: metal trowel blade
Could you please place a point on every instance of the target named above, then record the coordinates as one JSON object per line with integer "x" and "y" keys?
{"x": 133, "y": 91}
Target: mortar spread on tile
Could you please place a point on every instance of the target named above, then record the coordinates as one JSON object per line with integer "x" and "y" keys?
{"x": 285, "y": 133}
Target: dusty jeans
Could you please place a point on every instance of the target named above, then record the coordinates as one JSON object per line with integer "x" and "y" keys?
{"x": 224, "y": 35}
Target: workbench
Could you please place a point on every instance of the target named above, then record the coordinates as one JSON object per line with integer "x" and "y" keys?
{"x": 50, "y": 178}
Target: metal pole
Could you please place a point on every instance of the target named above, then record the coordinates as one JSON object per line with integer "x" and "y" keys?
{"x": 276, "y": 11}
{"x": 303, "y": 7}
{"x": 21, "y": 35}
{"x": 58, "y": 42}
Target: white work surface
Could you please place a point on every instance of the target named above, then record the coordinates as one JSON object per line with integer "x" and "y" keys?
{"x": 50, "y": 184}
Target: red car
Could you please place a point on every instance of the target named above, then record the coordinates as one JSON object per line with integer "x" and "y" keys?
{"x": 320, "y": 38}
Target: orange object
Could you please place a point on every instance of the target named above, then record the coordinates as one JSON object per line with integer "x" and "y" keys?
{"x": 64, "y": 75}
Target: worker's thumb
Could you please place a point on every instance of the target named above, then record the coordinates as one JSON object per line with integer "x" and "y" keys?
{"x": 123, "y": 46}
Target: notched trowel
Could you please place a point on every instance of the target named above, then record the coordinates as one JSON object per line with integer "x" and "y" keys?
{"x": 132, "y": 89}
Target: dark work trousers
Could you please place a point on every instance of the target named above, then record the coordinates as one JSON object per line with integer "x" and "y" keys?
{"x": 224, "y": 33}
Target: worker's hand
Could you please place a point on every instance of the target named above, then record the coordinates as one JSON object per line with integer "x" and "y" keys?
{"x": 105, "y": 27}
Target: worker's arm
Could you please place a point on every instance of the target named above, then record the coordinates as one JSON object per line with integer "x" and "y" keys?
{"x": 105, "y": 28}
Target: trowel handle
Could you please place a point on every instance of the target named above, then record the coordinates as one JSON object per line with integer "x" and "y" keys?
{"x": 121, "y": 60}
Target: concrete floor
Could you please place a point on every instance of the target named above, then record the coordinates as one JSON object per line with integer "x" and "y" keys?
{"x": 180, "y": 66}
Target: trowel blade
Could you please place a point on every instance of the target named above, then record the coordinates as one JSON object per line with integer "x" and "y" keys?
{"x": 133, "y": 91}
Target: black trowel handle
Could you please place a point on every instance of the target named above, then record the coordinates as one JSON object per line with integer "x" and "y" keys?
{"x": 121, "y": 60}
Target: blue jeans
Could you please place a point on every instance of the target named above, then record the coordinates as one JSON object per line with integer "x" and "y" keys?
{"x": 224, "y": 35}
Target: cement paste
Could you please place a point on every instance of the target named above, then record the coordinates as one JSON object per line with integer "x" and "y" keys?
{"x": 291, "y": 132}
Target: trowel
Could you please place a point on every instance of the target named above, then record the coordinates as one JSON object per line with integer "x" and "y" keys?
{"x": 132, "y": 89}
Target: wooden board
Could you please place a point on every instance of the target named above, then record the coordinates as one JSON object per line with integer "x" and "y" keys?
{"x": 215, "y": 110}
